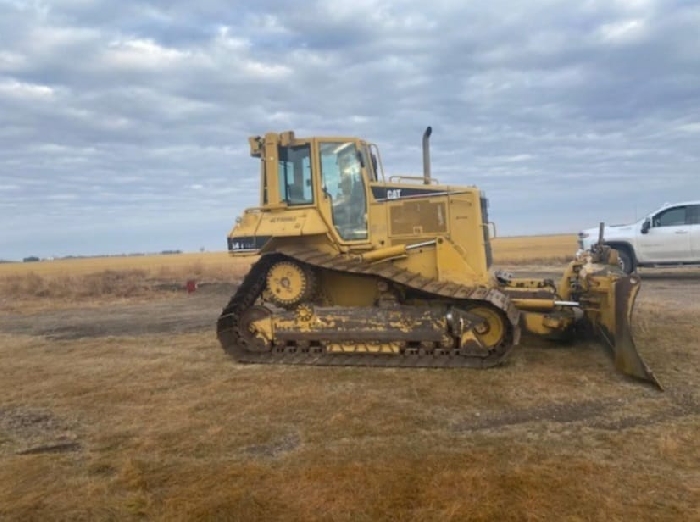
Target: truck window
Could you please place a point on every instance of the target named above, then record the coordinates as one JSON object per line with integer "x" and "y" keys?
{"x": 694, "y": 214}
{"x": 673, "y": 217}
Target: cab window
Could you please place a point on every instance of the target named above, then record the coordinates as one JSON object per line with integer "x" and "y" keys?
{"x": 294, "y": 175}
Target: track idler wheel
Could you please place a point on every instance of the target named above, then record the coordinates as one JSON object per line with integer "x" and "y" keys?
{"x": 289, "y": 283}
{"x": 492, "y": 332}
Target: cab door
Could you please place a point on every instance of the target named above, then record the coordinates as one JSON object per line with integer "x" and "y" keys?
{"x": 668, "y": 238}
{"x": 343, "y": 187}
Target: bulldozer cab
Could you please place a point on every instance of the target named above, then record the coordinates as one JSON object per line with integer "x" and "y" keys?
{"x": 335, "y": 187}
{"x": 330, "y": 174}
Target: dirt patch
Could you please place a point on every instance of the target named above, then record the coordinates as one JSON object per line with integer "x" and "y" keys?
{"x": 613, "y": 414}
{"x": 181, "y": 314}
{"x": 676, "y": 406}
{"x": 29, "y": 431}
{"x": 560, "y": 413}
{"x": 275, "y": 448}
{"x": 198, "y": 312}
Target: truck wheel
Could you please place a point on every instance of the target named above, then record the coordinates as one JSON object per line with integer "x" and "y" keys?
{"x": 625, "y": 260}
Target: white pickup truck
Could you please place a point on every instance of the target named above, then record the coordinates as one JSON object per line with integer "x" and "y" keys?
{"x": 669, "y": 236}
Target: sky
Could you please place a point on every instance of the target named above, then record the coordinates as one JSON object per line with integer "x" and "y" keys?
{"x": 124, "y": 125}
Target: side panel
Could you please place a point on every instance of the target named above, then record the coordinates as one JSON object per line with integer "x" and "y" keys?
{"x": 468, "y": 232}
{"x": 412, "y": 214}
{"x": 413, "y": 221}
{"x": 420, "y": 218}
{"x": 668, "y": 239}
{"x": 695, "y": 243}
{"x": 256, "y": 228}
{"x": 397, "y": 216}
{"x": 379, "y": 225}
{"x": 664, "y": 244}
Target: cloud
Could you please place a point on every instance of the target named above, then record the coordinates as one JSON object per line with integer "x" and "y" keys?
{"x": 125, "y": 125}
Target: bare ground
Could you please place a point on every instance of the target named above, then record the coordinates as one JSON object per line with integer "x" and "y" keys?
{"x": 197, "y": 312}
{"x": 179, "y": 313}
{"x": 131, "y": 411}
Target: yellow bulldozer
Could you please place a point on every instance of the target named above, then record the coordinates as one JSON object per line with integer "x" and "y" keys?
{"x": 357, "y": 269}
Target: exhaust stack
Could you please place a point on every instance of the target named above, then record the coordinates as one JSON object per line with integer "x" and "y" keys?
{"x": 426, "y": 155}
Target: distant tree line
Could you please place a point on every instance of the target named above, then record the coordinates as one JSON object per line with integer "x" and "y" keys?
{"x": 30, "y": 259}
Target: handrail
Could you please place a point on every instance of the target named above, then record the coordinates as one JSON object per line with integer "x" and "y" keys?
{"x": 417, "y": 178}
{"x": 262, "y": 208}
{"x": 492, "y": 224}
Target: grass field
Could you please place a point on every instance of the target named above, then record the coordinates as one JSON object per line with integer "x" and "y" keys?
{"x": 129, "y": 410}
{"x": 507, "y": 250}
{"x": 134, "y": 276}
{"x": 153, "y": 265}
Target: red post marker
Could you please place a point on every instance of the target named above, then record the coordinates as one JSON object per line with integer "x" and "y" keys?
{"x": 191, "y": 286}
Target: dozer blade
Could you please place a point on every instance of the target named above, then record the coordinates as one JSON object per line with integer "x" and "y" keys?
{"x": 615, "y": 328}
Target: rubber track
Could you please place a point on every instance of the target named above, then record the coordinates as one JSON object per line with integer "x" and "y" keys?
{"x": 254, "y": 283}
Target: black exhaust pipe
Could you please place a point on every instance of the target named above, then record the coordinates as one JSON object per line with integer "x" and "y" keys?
{"x": 426, "y": 155}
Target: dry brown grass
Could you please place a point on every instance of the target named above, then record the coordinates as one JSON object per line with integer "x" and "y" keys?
{"x": 507, "y": 250}
{"x": 139, "y": 276}
{"x": 30, "y": 290}
{"x": 165, "y": 427}
{"x": 62, "y": 282}
{"x": 152, "y": 264}
{"x": 555, "y": 249}
{"x": 168, "y": 428}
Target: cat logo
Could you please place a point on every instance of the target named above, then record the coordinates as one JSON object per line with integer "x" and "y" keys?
{"x": 393, "y": 193}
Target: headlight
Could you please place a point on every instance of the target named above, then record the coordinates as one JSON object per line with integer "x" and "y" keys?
{"x": 583, "y": 235}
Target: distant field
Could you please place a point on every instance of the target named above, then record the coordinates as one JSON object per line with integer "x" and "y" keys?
{"x": 153, "y": 264}
{"x": 507, "y": 250}
{"x": 553, "y": 249}
{"x": 136, "y": 276}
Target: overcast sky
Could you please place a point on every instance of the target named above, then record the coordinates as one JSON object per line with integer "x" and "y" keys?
{"x": 124, "y": 125}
